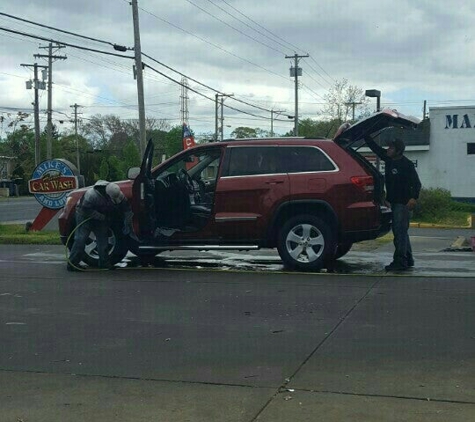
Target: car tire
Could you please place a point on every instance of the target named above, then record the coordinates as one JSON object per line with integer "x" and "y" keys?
{"x": 117, "y": 248}
{"x": 304, "y": 242}
{"x": 342, "y": 249}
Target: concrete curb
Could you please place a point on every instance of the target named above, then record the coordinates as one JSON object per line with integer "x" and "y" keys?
{"x": 436, "y": 226}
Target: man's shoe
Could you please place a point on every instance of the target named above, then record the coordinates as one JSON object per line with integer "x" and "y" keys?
{"x": 75, "y": 267}
{"x": 410, "y": 263}
{"x": 394, "y": 266}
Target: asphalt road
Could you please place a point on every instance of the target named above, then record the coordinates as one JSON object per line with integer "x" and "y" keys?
{"x": 158, "y": 344}
{"x": 18, "y": 209}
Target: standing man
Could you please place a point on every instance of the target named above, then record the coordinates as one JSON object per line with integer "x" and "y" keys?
{"x": 403, "y": 187}
{"x": 94, "y": 213}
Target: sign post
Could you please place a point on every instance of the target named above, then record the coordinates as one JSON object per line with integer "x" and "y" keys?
{"x": 51, "y": 182}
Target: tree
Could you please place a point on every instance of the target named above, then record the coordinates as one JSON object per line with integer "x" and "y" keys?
{"x": 340, "y": 100}
{"x": 174, "y": 141}
{"x": 310, "y": 128}
{"x": 249, "y": 132}
{"x": 104, "y": 169}
{"x": 20, "y": 144}
{"x": 130, "y": 156}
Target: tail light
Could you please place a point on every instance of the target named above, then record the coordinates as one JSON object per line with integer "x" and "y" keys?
{"x": 365, "y": 183}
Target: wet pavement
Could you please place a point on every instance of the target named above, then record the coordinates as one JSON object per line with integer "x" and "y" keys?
{"x": 432, "y": 253}
{"x": 431, "y": 248}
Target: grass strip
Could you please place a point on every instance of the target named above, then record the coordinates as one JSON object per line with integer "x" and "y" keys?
{"x": 15, "y": 234}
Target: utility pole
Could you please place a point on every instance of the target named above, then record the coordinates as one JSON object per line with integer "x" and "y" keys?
{"x": 220, "y": 128}
{"x": 353, "y": 104}
{"x": 139, "y": 75}
{"x": 49, "y": 123}
{"x": 184, "y": 100}
{"x": 277, "y": 112}
{"x": 36, "y": 85}
{"x": 296, "y": 71}
{"x": 216, "y": 117}
{"x": 78, "y": 163}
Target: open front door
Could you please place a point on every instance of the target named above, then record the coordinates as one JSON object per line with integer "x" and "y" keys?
{"x": 143, "y": 202}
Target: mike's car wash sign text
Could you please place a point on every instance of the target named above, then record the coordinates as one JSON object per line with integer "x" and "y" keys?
{"x": 51, "y": 181}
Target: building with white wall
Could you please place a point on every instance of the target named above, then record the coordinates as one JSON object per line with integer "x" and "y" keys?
{"x": 450, "y": 161}
{"x": 443, "y": 150}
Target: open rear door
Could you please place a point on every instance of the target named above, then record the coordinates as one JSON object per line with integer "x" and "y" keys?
{"x": 347, "y": 135}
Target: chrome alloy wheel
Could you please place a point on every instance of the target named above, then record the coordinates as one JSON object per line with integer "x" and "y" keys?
{"x": 305, "y": 243}
{"x": 91, "y": 245}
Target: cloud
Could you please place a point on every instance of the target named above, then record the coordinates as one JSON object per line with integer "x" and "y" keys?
{"x": 410, "y": 50}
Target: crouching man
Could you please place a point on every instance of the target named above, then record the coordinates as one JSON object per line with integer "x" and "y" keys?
{"x": 94, "y": 213}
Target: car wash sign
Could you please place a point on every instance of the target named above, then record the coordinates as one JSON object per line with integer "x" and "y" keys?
{"x": 51, "y": 181}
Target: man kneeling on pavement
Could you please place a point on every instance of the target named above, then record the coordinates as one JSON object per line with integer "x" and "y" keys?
{"x": 94, "y": 213}
{"x": 403, "y": 187}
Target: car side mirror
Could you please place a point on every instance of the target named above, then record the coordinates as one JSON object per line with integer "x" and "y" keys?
{"x": 133, "y": 172}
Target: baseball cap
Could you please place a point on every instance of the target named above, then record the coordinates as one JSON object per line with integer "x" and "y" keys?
{"x": 114, "y": 193}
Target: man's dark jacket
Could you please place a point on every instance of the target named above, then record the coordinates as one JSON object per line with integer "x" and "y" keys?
{"x": 402, "y": 181}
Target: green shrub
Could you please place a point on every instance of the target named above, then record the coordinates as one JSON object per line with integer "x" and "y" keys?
{"x": 433, "y": 204}
{"x": 463, "y": 206}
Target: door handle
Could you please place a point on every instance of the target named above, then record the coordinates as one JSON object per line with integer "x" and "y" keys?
{"x": 274, "y": 182}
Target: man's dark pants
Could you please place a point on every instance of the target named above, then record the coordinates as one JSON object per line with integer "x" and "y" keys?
{"x": 402, "y": 244}
{"x": 84, "y": 228}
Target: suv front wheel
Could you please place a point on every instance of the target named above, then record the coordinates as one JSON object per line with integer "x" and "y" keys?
{"x": 304, "y": 242}
{"x": 117, "y": 248}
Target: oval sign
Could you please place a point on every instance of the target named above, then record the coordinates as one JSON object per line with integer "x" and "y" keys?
{"x": 51, "y": 181}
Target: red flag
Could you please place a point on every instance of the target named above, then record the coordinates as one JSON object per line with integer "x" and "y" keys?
{"x": 188, "y": 138}
{"x": 189, "y": 142}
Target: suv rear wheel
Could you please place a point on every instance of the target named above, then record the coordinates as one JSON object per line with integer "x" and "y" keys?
{"x": 304, "y": 242}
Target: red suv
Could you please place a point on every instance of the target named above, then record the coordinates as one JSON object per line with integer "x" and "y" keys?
{"x": 309, "y": 198}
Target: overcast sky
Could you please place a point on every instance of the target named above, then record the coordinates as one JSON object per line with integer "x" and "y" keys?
{"x": 409, "y": 50}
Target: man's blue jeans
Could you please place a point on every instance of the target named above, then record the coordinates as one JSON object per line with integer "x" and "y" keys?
{"x": 402, "y": 244}
{"x": 84, "y": 228}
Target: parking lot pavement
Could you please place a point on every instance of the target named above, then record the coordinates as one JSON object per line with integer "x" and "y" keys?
{"x": 180, "y": 342}
{"x": 234, "y": 346}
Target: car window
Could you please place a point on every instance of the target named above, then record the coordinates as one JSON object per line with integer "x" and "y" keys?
{"x": 244, "y": 161}
{"x": 202, "y": 164}
{"x": 305, "y": 159}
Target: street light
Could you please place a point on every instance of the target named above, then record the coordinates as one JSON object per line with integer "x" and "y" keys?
{"x": 374, "y": 93}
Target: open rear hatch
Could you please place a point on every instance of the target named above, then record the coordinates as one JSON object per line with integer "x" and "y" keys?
{"x": 351, "y": 138}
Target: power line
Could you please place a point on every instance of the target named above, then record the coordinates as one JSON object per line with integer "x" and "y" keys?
{"x": 63, "y": 43}
{"x": 202, "y": 84}
{"x": 121, "y": 48}
{"x": 259, "y": 25}
{"x": 236, "y": 29}
{"x": 203, "y": 95}
{"x": 280, "y": 38}
{"x": 212, "y": 44}
{"x": 108, "y": 53}
{"x": 244, "y": 23}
